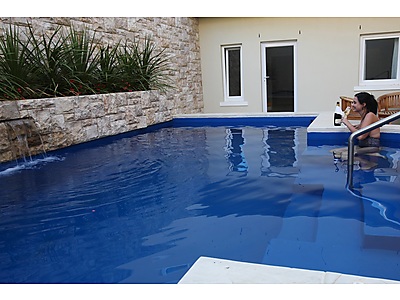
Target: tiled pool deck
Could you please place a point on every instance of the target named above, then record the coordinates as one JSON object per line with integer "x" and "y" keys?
{"x": 208, "y": 270}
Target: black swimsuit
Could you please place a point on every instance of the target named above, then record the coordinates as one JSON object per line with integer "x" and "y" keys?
{"x": 369, "y": 142}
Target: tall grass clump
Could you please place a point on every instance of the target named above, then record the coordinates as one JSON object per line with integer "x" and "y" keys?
{"x": 15, "y": 67}
{"x": 72, "y": 62}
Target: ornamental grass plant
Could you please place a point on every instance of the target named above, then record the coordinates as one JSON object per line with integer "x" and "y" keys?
{"x": 72, "y": 62}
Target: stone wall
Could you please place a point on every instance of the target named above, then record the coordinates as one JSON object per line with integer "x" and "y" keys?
{"x": 67, "y": 121}
{"x": 71, "y": 120}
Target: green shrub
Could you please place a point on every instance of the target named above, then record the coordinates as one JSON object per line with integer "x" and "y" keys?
{"x": 73, "y": 63}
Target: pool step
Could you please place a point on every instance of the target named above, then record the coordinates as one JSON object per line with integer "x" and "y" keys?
{"x": 332, "y": 238}
{"x": 299, "y": 220}
{"x": 332, "y": 257}
{"x": 381, "y": 218}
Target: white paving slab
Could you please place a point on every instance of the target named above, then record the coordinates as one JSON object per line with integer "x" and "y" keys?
{"x": 208, "y": 270}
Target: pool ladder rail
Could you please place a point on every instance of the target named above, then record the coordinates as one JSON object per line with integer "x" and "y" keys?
{"x": 354, "y": 135}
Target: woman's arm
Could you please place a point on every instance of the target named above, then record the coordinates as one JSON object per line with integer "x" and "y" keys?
{"x": 350, "y": 126}
{"x": 369, "y": 119}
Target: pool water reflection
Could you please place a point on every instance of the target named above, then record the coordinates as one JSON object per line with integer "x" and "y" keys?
{"x": 142, "y": 208}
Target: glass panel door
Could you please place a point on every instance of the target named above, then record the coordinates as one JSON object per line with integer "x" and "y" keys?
{"x": 278, "y": 61}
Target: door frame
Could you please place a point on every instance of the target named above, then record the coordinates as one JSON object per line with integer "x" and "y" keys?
{"x": 264, "y": 78}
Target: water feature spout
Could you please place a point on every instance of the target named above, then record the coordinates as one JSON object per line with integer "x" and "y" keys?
{"x": 22, "y": 138}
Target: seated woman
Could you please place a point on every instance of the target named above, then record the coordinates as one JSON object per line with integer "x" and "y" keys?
{"x": 369, "y": 142}
{"x": 366, "y": 105}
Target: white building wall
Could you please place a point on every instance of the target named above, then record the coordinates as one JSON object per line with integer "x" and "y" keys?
{"x": 328, "y": 57}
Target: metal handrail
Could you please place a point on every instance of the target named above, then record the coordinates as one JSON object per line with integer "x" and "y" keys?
{"x": 350, "y": 148}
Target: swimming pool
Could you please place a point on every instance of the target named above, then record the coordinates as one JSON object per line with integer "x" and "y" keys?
{"x": 142, "y": 207}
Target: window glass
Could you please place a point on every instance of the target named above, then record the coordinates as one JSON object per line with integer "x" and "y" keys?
{"x": 234, "y": 76}
{"x": 381, "y": 59}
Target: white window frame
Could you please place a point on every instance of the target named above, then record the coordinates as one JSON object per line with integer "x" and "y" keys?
{"x": 231, "y": 100}
{"x": 378, "y": 84}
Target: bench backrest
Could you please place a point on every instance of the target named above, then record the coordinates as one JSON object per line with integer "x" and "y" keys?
{"x": 389, "y": 102}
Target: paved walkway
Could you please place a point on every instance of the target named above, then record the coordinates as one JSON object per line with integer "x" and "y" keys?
{"x": 209, "y": 270}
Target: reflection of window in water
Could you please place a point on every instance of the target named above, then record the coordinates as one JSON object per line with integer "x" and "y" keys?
{"x": 279, "y": 155}
{"x": 234, "y": 149}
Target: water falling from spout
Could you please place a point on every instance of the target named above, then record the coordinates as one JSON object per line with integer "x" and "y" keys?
{"x": 24, "y": 138}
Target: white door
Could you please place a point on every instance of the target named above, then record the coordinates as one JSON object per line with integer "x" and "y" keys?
{"x": 279, "y": 76}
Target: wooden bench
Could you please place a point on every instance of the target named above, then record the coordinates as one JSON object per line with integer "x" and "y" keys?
{"x": 388, "y": 104}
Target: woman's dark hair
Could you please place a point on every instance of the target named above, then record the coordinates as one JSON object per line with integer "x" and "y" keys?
{"x": 370, "y": 103}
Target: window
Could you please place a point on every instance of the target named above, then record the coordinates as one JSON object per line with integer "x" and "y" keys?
{"x": 380, "y": 61}
{"x": 234, "y": 150}
{"x": 232, "y": 72}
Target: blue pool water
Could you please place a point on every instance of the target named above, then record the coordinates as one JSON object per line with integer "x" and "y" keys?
{"x": 143, "y": 207}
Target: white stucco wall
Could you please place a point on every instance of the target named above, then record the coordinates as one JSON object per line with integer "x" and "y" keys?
{"x": 328, "y": 57}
